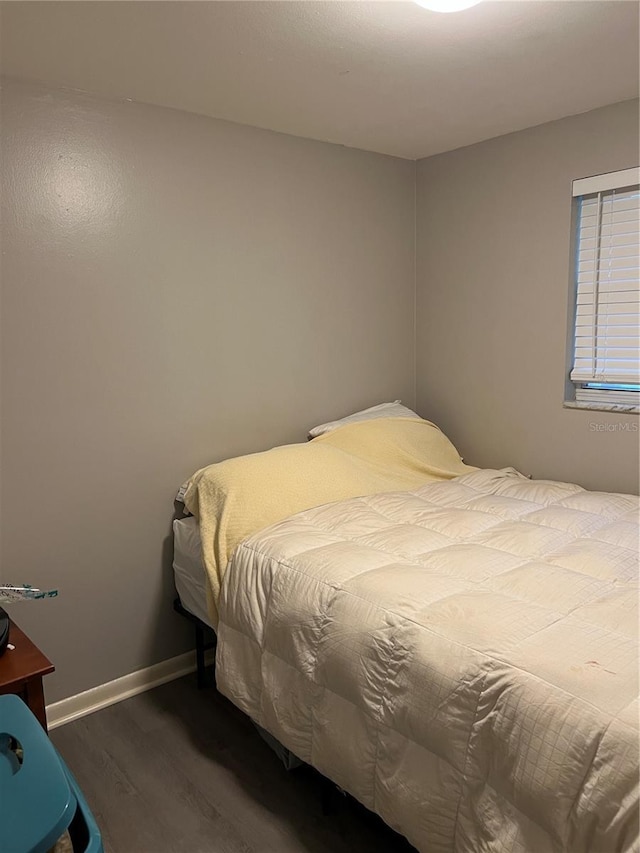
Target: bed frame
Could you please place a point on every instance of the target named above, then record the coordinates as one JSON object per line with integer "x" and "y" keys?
{"x": 206, "y": 640}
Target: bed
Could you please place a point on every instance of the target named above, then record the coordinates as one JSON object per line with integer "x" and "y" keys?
{"x": 460, "y": 656}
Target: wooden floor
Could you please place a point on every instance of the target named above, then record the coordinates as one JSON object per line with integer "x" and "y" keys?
{"x": 180, "y": 770}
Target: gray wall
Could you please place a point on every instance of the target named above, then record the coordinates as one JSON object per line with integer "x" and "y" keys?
{"x": 493, "y": 233}
{"x": 175, "y": 290}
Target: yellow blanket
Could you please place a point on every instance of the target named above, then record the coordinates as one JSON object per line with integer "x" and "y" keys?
{"x": 238, "y": 497}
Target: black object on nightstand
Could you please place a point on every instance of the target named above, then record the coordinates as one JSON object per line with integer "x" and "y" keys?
{"x": 4, "y": 631}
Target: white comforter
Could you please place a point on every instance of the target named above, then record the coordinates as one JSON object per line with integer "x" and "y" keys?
{"x": 462, "y": 658}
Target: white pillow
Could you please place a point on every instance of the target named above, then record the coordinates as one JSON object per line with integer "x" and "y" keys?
{"x": 384, "y": 410}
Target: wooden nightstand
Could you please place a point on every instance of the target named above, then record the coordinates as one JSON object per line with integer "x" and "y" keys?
{"x": 21, "y": 671}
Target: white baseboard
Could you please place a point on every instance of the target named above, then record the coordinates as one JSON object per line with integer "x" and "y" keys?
{"x": 74, "y": 707}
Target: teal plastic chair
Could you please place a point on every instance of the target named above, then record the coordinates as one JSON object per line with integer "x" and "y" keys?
{"x": 39, "y": 798}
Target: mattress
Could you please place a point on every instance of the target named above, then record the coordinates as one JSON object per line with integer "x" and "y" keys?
{"x": 462, "y": 658}
{"x": 188, "y": 569}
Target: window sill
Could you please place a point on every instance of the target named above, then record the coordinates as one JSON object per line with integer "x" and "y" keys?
{"x": 620, "y": 408}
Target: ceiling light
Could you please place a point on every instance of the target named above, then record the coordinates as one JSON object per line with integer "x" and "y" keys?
{"x": 447, "y": 5}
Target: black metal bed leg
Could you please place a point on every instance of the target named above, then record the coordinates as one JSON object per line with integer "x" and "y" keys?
{"x": 203, "y": 645}
{"x": 200, "y": 664}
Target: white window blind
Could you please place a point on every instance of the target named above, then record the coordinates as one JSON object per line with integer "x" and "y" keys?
{"x": 607, "y": 321}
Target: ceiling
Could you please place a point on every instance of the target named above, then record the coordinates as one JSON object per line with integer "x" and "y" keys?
{"x": 388, "y": 76}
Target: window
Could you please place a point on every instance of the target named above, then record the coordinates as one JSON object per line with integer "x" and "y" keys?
{"x": 605, "y": 364}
